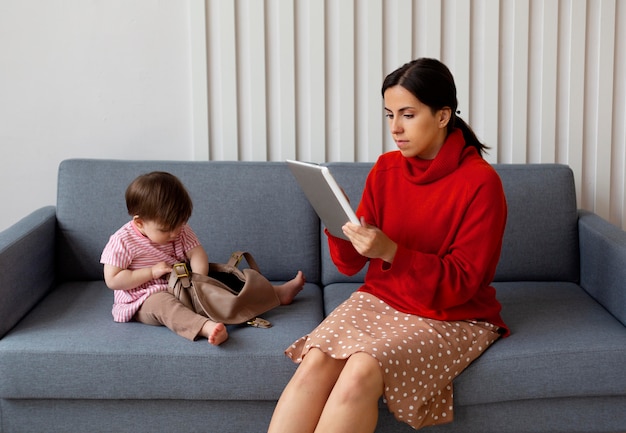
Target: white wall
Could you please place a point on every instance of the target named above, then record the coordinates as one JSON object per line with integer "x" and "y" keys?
{"x": 539, "y": 80}
{"x": 97, "y": 79}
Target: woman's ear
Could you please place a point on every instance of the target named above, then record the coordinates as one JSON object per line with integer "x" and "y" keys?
{"x": 444, "y": 116}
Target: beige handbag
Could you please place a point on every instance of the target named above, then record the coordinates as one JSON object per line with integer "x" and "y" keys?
{"x": 228, "y": 295}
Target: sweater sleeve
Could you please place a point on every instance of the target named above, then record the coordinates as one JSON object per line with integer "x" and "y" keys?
{"x": 344, "y": 256}
{"x": 347, "y": 259}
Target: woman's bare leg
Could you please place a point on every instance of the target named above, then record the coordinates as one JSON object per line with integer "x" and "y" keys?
{"x": 302, "y": 402}
{"x": 353, "y": 403}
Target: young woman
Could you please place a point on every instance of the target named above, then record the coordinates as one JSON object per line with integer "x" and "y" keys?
{"x": 432, "y": 218}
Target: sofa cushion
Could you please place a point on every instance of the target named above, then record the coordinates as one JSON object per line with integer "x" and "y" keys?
{"x": 557, "y": 335}
{"x": 276, "y": 225}
{"x": 541, "y": 235}
{"x": 555, "y": 327}
{"x": 68, "y": 347}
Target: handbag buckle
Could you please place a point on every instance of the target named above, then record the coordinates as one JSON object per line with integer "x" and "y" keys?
{"x": 259, "y": 322}
{"x": 181, "y": 270}
{"x": 237, "y": 258}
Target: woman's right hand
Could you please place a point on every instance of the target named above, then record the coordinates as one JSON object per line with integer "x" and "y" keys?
{"x": 370, "y": 241}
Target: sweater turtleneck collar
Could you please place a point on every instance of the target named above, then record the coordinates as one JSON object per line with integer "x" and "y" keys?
{"x": 424, "y": 171}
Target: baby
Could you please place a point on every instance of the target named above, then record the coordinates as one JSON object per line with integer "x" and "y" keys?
{"x": 139, "y": 256}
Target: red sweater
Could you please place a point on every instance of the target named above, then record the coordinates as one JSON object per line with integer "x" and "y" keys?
{"x": 447, "y": 217}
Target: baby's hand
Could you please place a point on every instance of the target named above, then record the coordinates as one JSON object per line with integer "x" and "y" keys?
{"x": 160, "y": 269}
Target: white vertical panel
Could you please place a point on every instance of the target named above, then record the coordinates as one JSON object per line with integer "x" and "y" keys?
{"x": 550, "y": 26}
{"x": 603, "y": 116}
{"x": 398, "y": 42}
{"x": 598, "y": 108}
{"x": 311, "y": 82}
{"x": 399, "y": 32}
{"x": 484, "y": 108}
{"x": 514, "y": 82}
{"x": 571, "y": 84}
{"x": 369, "y": 77}
{"x": 224, "y": 137}
{"x": 341, "y": 85}
{"x": 455, "y": 54}
{"x": 199, "y": 90}
{"x": 281, "y": 107}
{"x": 252, "y": 83}
{"x": 618, "y": 196}
{"x": 544, "y": 37}
{"x": 427, "y": 28}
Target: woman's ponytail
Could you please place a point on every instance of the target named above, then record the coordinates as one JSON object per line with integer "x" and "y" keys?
{"x": 468, "y": 134}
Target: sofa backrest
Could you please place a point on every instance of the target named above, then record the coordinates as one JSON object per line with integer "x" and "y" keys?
{"x": 541, "y": 236}
{"x": 252, "y": 206}
{"x": 258, "y": 207}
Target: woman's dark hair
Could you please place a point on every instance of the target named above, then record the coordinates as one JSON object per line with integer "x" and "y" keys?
{"x": 432, "y": 83}
{"x": 161, "y": 197}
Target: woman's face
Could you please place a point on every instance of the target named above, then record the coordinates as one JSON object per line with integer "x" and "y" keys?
{"x": 417, "y": 131}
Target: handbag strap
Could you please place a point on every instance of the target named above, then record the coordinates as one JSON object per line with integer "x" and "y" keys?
{"x": 180, "y": 271}
{"x": 236, "y": 257}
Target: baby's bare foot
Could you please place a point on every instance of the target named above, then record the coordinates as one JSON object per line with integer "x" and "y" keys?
{"x": 286, "y": 292}
{"x": 215, "y": 333}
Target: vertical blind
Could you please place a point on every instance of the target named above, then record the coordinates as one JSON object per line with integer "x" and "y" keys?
{"x": 540, "y": 81}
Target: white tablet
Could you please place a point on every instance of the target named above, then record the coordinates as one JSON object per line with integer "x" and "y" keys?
{"x": 325, "y": 195}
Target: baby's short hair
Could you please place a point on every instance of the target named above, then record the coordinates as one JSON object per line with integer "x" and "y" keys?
{"x": 160, "y": 197}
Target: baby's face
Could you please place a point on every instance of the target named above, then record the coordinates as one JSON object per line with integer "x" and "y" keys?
{"x": 157, "y": 234}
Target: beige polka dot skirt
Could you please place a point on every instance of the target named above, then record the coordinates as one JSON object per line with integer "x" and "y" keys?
{"x": 419, "y": 357}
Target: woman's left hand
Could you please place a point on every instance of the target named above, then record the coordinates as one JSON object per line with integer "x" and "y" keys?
{"x": 370, "y": 241}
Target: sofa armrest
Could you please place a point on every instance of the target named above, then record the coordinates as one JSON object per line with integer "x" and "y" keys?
{"x": 27, "y": 265}
{"x": 603, "y": 262}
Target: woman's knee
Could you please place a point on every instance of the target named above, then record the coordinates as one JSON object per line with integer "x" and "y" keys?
{"x": 318, "y": 366}
{"x": 360, "y": 377}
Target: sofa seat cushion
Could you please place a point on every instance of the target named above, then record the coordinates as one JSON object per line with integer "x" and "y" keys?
{"x": 558, "y": 333}
{"x": 69, "y": 347}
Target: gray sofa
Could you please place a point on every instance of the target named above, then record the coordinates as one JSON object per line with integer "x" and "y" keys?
{"x": 65, "y": 366}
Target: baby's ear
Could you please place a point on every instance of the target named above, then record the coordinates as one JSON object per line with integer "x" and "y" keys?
{"x": 138, "y": 221}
